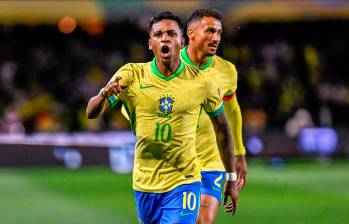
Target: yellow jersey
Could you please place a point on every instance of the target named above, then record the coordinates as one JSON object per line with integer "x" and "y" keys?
{"x": 225, "y": 75}
{"x": 163, "y": 113}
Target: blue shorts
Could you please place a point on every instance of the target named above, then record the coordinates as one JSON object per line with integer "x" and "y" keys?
{"x": 212, "y": 182}
{"x": 180, "y": 205}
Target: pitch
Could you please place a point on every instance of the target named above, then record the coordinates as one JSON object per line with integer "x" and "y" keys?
{"x": 295, "y": 193}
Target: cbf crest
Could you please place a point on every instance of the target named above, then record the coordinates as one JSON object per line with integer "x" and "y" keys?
{"x": 166, "y": 104}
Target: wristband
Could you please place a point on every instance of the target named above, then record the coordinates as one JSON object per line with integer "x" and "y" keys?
{"x": 113, "y": 100}
{"x": 231, "y": 176}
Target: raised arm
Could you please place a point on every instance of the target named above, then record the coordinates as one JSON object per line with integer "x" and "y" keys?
{"x": 105, "y": 99}
{"x": 226, "y": 149}
{"x": 97, "y": 105}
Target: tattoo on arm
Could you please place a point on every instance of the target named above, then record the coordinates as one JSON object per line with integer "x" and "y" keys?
{"x": 224, "y": 141}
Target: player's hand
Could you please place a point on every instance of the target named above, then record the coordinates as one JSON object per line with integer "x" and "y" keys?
{"x": 113, "y": 88}
{"x": 241, "y": 171}
{"x": 230, "y": 190}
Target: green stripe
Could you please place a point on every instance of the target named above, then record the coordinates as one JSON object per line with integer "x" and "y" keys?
{"x": 217, "y": 112}
{"x": 197, "y": 125}
{"x": 187, "y": 60}
{"x": 156, "y": 72}
{"x": 132, "y": 119}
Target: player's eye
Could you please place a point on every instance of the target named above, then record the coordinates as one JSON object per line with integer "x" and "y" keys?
{"x": 171, "y": 33}
{"x": 157, "y": 34}
{"x": 209, "y": 31}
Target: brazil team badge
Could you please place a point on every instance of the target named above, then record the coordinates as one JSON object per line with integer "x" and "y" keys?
{"x": 166, "y": 104}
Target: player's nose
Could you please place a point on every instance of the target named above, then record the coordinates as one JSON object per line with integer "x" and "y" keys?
{"x": 216, "y": 37}
{"x": 165, "y": 37}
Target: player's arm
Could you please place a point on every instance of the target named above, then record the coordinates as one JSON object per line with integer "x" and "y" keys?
{"x": 224, "y": 141}
{"x": 104, "y": 100}
{"x": 97, "y": 105}
{"x": 233, "y": 112}
{"x": 226, "y": 149}
{"x": 108, "y": 96}
{"x": 214, "y": 107}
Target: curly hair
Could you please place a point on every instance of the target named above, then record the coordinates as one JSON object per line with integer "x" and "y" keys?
{"x": 165, "y": 15}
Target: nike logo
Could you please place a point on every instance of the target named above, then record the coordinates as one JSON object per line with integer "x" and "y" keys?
{"x": 141, "y": 86}
{"x": 186, "y": 214}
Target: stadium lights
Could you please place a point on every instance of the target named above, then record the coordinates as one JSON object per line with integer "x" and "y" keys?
{"x": 67, "y": 24}
{"x": 255, "y": 145}
{"x": 320, "y": 141}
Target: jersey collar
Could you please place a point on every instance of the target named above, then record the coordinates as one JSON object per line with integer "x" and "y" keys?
{"x": 187, "y": 60}
{"x": 156, "y": 72}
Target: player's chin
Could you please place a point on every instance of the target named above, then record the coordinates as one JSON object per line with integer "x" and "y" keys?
{"x": 166, "y": 61}
{"x": 211, "y": 51}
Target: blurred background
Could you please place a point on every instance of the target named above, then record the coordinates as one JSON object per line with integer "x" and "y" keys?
{"x": 293, "y": 89}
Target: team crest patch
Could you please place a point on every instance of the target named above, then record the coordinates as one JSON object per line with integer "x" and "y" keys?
{"x": 166, "y": 104}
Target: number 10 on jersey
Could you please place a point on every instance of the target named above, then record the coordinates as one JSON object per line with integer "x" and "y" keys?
{"x": 162, "y": 132}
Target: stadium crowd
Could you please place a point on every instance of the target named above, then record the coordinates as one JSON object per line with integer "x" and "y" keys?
{"x": 287, "y": 73}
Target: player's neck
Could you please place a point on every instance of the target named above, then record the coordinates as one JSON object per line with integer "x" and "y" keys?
{"x": 168, "y": 69}
{"x": 197, "y": 57}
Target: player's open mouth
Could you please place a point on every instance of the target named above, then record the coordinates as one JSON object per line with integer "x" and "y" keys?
{"x": 165, "y": 52}
{"x": 165, "y": 49}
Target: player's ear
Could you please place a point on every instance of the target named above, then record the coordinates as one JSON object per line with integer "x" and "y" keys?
{"x": 182, "y": 42}
{"x": 150, "y": 47}
{"x": 190, "y": 33}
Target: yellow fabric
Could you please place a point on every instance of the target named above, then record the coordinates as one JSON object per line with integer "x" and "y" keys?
{"x": 165, "y": 155}
{"x": 124, "y": 113}
{"x": 225, "y": 74}
{"x": 233, "y": 112}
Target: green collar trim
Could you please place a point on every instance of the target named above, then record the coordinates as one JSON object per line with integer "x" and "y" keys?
{"x": 156, "y": 72}
{"x": 187, "y": 60}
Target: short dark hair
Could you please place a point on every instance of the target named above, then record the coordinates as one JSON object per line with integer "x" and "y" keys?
{"x": 200, "y": 13}
{"x": 164, "y": 15}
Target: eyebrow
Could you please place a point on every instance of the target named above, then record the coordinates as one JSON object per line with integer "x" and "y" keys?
{"x": 213, "y": 28}
{"x": 169, "y": 30}
{"x": 165, "y": 31}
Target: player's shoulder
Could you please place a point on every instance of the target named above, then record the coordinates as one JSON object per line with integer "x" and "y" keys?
{"x": 219, "y": 61}
{"x": 132, "y": 71}
{"x": 191, "y": 70}
{"x": 135, "y": 66}
{"x": 196, "y": 76}
{"x": 135, "y": 69}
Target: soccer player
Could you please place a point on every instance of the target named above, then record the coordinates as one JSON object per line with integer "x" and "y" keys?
{"x": 204, "y": 31}
{"x": 163, "y": 99}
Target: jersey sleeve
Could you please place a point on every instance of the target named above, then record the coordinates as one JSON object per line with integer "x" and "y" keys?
{"x": 229, "y": 95}
{"x": 213, "y": 104}
{"x": 233, "y": 112}
{"x": 126, "y": 74}
{"x": 124, "y": 113}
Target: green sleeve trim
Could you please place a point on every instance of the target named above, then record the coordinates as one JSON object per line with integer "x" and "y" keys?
{"x": 113, "y": 100}
{"x": 217, "y": 112}
{"x": 187, "y": 60}
{"x": 156, "y": 72}
{"x": 132, "y": 118}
